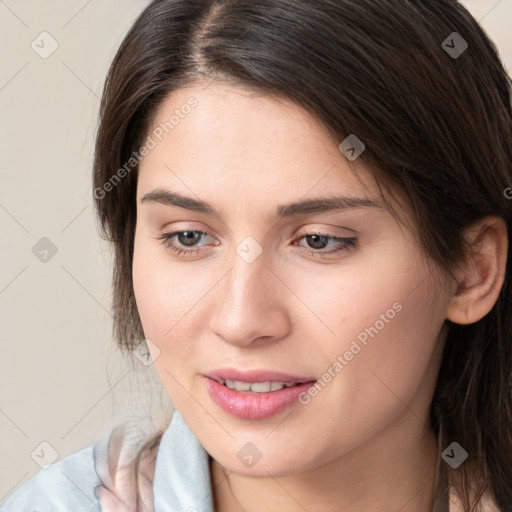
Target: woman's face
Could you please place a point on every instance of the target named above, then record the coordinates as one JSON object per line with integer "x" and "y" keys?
{"x": 269, "y": 288}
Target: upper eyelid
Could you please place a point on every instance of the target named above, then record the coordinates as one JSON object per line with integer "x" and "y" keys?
{"x": 327, "y": 229}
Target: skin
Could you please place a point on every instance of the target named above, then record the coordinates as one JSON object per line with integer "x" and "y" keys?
{"x": 363, "y": 442}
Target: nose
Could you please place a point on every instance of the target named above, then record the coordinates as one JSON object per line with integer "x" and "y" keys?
{"x": 250, "y": 304}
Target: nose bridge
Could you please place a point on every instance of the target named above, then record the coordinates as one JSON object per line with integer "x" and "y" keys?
{"x": 248, "y": 272}
{"x": 248, "y": 302}
{"x": 246, "y": 288}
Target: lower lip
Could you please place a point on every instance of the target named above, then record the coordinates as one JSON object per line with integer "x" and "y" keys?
{"x": 254, "y": 406}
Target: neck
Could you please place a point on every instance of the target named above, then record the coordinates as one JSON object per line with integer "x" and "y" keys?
{"x": 394, "y": 471}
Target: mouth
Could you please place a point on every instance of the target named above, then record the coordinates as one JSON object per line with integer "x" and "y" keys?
{"x": 255, "y": 394}
{"x": 256, "y": 387}
{"x": 233, "y": 376}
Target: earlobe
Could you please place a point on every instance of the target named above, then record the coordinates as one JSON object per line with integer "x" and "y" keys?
{"x": 481, "y": 277}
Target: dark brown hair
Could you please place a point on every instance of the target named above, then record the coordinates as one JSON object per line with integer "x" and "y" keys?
{"x": 437, "y": 127}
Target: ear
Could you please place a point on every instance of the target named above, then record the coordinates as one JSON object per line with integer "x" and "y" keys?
{"x": 481, "y": 276}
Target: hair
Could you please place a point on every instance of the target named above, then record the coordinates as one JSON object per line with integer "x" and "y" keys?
{"x": 437, "y": 129}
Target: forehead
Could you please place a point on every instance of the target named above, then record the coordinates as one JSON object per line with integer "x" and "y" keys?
{"x": 220, "y": 137}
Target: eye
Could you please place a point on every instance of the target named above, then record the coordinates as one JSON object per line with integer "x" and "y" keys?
{"x": 319, "y": 241}
{"x": 188, "y": 239}
{"x": 185, "y": 238}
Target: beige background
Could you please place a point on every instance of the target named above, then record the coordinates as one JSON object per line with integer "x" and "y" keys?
{"x": 61, "y": 382}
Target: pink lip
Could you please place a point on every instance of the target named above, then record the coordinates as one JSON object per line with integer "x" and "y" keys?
{"x": 255, "y": 376}
{"x": 250, "y": 405}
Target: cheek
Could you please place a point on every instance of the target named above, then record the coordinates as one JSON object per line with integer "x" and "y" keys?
{"x": 164, "y": 293}
{"x": 385, "y": 322}
{"x": 162, "y": 300}
{"x": 391, "y": 376}
{"x": 172, "y": 299}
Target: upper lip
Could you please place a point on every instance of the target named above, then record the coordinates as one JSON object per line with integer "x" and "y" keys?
{"x": 255, "y": 375}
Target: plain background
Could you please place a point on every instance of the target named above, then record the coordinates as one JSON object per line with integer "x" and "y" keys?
{"x": 61, "y": 380}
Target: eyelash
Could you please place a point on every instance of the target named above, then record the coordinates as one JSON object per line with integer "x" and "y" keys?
{"x": 348, "y": 243}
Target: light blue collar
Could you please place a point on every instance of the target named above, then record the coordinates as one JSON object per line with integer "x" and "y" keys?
{"x": 182, "y": 472}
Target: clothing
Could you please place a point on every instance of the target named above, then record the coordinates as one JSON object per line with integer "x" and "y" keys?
{"x": 180, "y": 483}
{"x": 181, "y": 480}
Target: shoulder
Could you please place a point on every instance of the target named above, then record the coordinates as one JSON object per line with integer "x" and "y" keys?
{"x": 65, "y": 485}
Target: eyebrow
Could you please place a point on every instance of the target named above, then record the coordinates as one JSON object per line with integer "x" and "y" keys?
{"x": 317, "y": 205}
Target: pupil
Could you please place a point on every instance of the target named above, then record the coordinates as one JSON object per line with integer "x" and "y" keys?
{"x": 318, "y": 237}
{"x": 189, "y": 236}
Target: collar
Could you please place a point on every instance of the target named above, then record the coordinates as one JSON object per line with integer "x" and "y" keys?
{"x": 182, "y": 472}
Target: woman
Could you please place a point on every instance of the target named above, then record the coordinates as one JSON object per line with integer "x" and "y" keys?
{"x": 310, "y": 208}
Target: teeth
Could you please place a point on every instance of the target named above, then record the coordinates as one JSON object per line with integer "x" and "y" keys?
{"x": 261, "y": 387}
{"x": 256, "y": 387}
